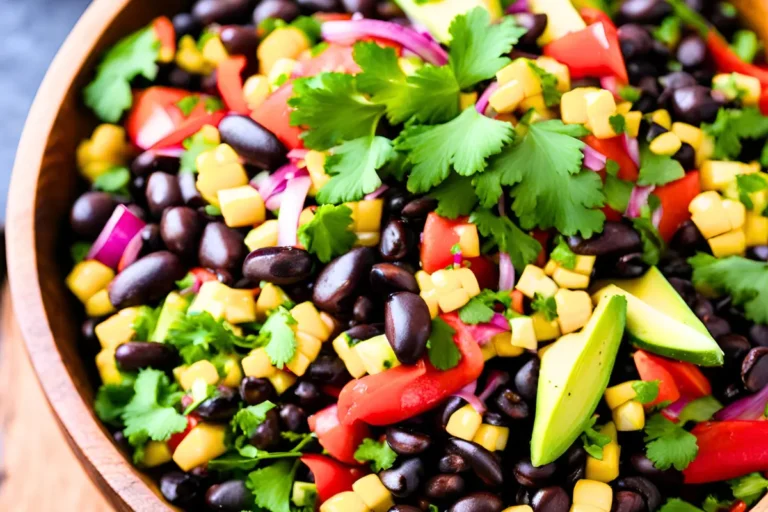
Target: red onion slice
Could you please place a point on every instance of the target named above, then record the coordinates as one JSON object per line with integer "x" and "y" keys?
{"x": 495, "y": 380}
{"x": 482, "y": 103}
{"x": 376, "y": 193}
{"x": 120, "y": 229}
{"x": 290, "y": 209}
{"x": 131, "y": 252}
{"x": 518, "y": 7}
{"x": 751, "y": 407}
{"x": 593, "y": 159}
{"x": 632, "y": 147}
{"x": 506, "y": 272}
{"x": 637, "y": 199}
{"x": 468, "y": 393}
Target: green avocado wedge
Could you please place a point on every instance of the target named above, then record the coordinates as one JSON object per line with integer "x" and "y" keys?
{"x": 437, "y": 15}
{"x": 573, "y": 377}
{"x": 659, "y": 320}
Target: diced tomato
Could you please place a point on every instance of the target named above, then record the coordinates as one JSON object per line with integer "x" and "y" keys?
{"x": 591, "y": 15}
{"x": 517, "y": 301}
{"x": 336, "y": 58}
{"x": 154, "y": 115}
{"x": 230, "y": 83}
{"x": 176, "y": 439}
{"x": 166, "y": 34}
{"x": 650, "y": 369}
{"x": 728, "y": 449}
{"x": 613, "y": 148}
{"x": 764, "y": 102}
{"x": 275, "y": 115}
{"x": 675, "y": 198}
{"x": 691, "y": 383}
{"x": 203, "y": 275}
{"x": 331, "y": 477}
{"x": 339, "y": 440}
{"x": 590, "y": 52}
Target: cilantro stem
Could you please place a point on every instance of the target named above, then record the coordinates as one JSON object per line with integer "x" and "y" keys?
{"x": 304, "y": 442}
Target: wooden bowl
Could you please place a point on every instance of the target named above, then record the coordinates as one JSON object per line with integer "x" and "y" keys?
{"x": 42, "y": 190}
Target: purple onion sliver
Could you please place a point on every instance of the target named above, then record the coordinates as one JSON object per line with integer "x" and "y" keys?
{"x": 637, "y": 200}
{"x": 506, "y": 272}
{"x": 273, "y": 202}
{"x": 457, "y": 259}
{"x": 674, "y": 409}
{"x": 658, "y": 213}
{"x": 297, "y": 154}
{"x": 518, "y": 7}
{"x": 468, "y": 393}
{"x": 120, "y": 229}
{"x": 482, "y": 103}
{"x": 482, "y": 333}
{"x": 268, "y": 187}
{"x": 751, "y": 407}
{"x": 376, "y": 193}
{"x": 500, "y": 321}
{"x": 593, "y": 159}
{"x": 495, "y": 380}
{"x": 131, "y": 252}
{"x": 290, "y": 209}
{"x": 632, "y": 147}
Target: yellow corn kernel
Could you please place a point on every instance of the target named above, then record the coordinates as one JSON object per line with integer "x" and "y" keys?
{"x": 430, "y": 297}
{"x": 738, "y": 86}
{"x": 507, "y": 97}
{"x": 629, "y": 416}
{"x": 308, "y": 321}
{"x": 518, "y": 508}
{"x": 117, "y": 329}
{"x": 453, "y": 300}
{"x": 424, "y": 280}
{"x": 708, "y": 214}
{"x": 624, "y": 107}
{"x": 468, "y": 281}
{"x": 464, "y": 423}
{"x": 370, "y": 239}
{"x": 214, "y": 52}
{"x": 718, "y": 175}
{"x": 88, "y": 278}
{"x": 203, "y": 443}
{"x": 350, "y": 357}
{"x": 706, "y": 150}
{"x": 689, "y": 134}
{"x": 620, "y": 394}
{"x": 662, "y": 118}
{"x": 156, "y": 453}
{"x": 573, "y": 105}
{"x": 570, "y": 279}
{"x": 345, "y": 502}
{"x": 563, "y": 18}
{"x": 242, "y": 206}
{"x": 601, "y": 105}
{"x": 533, "y": 280}
{"x": 308, "y": 345}
{"x": 736, "y": 213}
{"x": 368, "y": 216}
{"x": 445, "y": 280}
{"x": 523, "y": 333}
{"x": 107, "y": 366}
{"x": 190, "y": 58}
{"x": 585, "y": 264}
{"x": 200, "y": 370}
{"x": 233, "y": 374}
{"x": 373, "y": 493}
{"x": 545, "y": 329}
{"x": 538, "y": 104}
{"x": 99, "y": 304}
{"x": 756, "y": 229}
{"x": 281, "y": 71}
{"x": 573, "y": 310}
{"x": 219, "y": 169}
{"x": 256, "y": 90}
{"x": 282, "y": 43}
{"x": 666, "y": 144}
{"x": 257, "y": 364}
{"x": 106, "y": 148}
{"x": 732, "y": 243}
{"x": 520, "y": 70}
{"x": 270, "y": 297}
{"x": 489, "y": 351}
{"x": 491, "y": 437}
{"x": 376, "y": 354}
{"x": 550, "y": 267}
{"x": 469, "y": 241}
{"x": 594, "y": 493}
{"x": 632, "y": 122}
{"x": 262, "y": 236}
{"x": 605, "y": 470}
{"x": 467, "y": 99}
{"x": 281, "y": 381}
{"x": 330, "y": 324}
{"x": 234, "y": 305}
{"x": 502, "y": 345}
{"x": 560, "y": 71}
{"x": 298, "y": 364}
{"x": 315, "y": 162}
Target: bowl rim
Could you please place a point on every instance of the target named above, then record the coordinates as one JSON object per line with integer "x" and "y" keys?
{"x": 107, "y": 466}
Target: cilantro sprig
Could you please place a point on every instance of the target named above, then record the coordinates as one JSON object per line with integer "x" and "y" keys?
{"x": 731, "y": 127}
{"x": 521, "y": 247}
{"x": 280, "y": 337}
{"x": 479, "y": 309}
{"x": 646, "y": 391}
{"x": 151, "y": 412}
{"x": 353, "y": 169}
{"x": 594, "y": 441}
{"x": 378, "y": 453}
{"x": 328, "y": 234}
{"x": 668, "y": 444}
{"x": 545, "y": 305}
{"x": 199, "y": 336}
{"x": 442, "y": 350}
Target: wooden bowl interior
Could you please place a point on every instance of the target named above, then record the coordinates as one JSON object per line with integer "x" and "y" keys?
{"x": 44, "y": 186}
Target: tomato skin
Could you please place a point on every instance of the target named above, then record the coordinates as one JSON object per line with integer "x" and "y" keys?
{"x": 727, "y": 61}
{"x": 650, "y": 368}
{"x": 275, "y": 115}
{"x": 690, "y": 382}
{"x": 764, "y": 102}
{"x": 728, "y": 449}
{"x": 158, "y": 103}
{"x": 591, "y": 15}
{"x": 176, "y": 439}
{"x": 230, "y": 84}
{"x": 613, "y": 148}
{"x": 339, "y": 440}
{"x": 675, "y": 198}
{"x": 590, "y": 52}
{"x": 331, "y": 477}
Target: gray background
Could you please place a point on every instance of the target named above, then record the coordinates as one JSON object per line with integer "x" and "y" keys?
{"x": 32, "y": 31}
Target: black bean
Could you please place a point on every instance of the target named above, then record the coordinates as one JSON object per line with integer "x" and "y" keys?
{"x": 219, "y": 408}
{"x": 394, "y": 241}
{"x": 267, "y": 434}
{"x": 616, "y": 239}
{"x": 495, "y": 419}
{"x": 185, "y": 24}
{"x": 531, "y": 476}
{"x": 717, "y": 326}
{"x": 138, "y": 211}
{"x": 147, "y": 280}
{"x": 121, "y": 441}
{"x": 180, "y": 488}
{"x": 759, "y": 253}
{"x": 527, "y": 379}
{"x": 628, "y": 501}
{"x": 328, "y": 369}
{"x": 365, "y": 7}
{"x": 551, "y": 499}
{"x": 639, "y": 69}
{"x": 758, "y": 335}
{"x": 644, "y": 487}
{"x": 180, "y": 228}
{"x": 478, "y": 502}
{"x": 239, "y": 40}
{"x": 735, "y": 347}
{"x": 188, "y": 188}
{"x": 688, "y": 239}
{"x": 686, "y": 155}
{"x": 254, "y": 390}
{"x": 293, "y": 418}
{"x": 257, "y": 145}
{"x": 574, "y": 476}
{"x": 309, "y": 395}
{"x": 278, "y": 265}
{"x": 483, "y": 463}
{"x": 452, "y": 463}
{"x": 388, "y": 278}
{"x": 136, "y": 355}
{"x": 221, "y": 247}
{"x": 162, "y": 192}
{"x": 629, "y": 266}
{"x": 404, "y": 478}
{"x": 149, "y": 161}
{"x": 312, "y": 6}
{"x": 674, "y": 81}
{"x": 534, "y": 24}
{"x": 684, "y": 288}
{"x": 280, "y": 9}
{"x": 364, "y": 331}
{"x": 183, "y": 79}
{"x": 523, "y": 496}
{"x": 407, "y": 324}
{"x": 635, "y": 41}
{"x": 404, "y": 508}
{"x": 674, "y": 265}
{"x": 336, "y": 285}
{"x": 644, "y": 11}
{"x": 725, "y": 18}
{"x": 445, "y": 486}
{"x": 754, "y": 369}
{"x": 363, "y": 310}
{"x": 654, "y": 130}
{"x": 88, "y": 332}
{"x": 230, "y": 496}
{"x": 407, "y": 442}
{"x": 221, "y": 11}
{"x": 649, "y": 86}
{"x": 576, "y": 456}
{"x": 151, "y": 241}
{"x": 91, "y": 212}
{"x": 419, "y": 208}
{"x": 695, "y": 104}
{"x": 703, "y": 308}
{"x": 645, "y": 467}
{"x": 692, "y": 51}
{"x": 512, "y": 405}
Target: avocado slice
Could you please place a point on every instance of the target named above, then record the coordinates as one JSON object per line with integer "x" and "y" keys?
{"x": 438, "y": 15}
{"x": 574, "y": 375}
{"x": 660, "y": 321}
{"x": 173, "y": 308}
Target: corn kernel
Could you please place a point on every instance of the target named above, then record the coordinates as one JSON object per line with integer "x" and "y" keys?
{"x": 689, "y": 134}
{"x": 735, "y": 86}
{"x": 756, "y": 229}
{"x": 282, "y": 43}
{"x": 281, "y": 381}
{"x": 221, "y": 301}
{"x": 563, "y": 18}
{"x": 281, "y": 71}
{"x": 666, "y": 144}
{"x": 453, "y": 300}
{"x": 190, "y": 58}
{"x": 308, "y": 321}
{"x": 467, "y": 99}
{"x": 88, "y": 278}
{"x": 709, "y": 215}
{"x": 308, "y": 345}
{"x": 632, "y": 122}
{"x": 550, "y": 267}
{"x": 533, "y": 281}
{"x": 601, "y": 105}
{"x": 258, "y": 364}
{"x": 200, "y": 370}
{"x": 718, "y": 175}
{"x": 242, "y": 206}
{"x": 594, "y": 493}
{"x": 468, "y": 281}
{"x": 507, "y": 97}
{"x": 629, "y": 416}
{"x": 270, "y": 297}
{"x": 376, "y": 354}
{"x": 570, "y": 279}
{"x": 371, "y": 239}
{"x": 573, "y": 310}
{"x": 491, "y": 437}
{"x": 464, "y": 423}
{"x": 662, "y": 118}
{"x": 560, "y": 71}
{"x": 605, "y": 470}
{"x": 214, "y": 52}
{"x": 219, "y": 169}
{"x": 99, "y": 304}
{"x": 545, "y": 329}
{"x": 430, "y": 297}
{"x": 107, "y": 366}
{"x": 262, "y": 236}
{"x": 732, "y": 243}
{"x": 469, "y": 241}
{"x": 502, "y": 345}
{"x": 373, "y": 493}
{"x": 573, "y": 105}
{"x": 368, "y": 216}
{"x": 233, "y": 374}
{"x": 256, "y": 90}
{"x": 350, "y": 357}
{"x": 156, "y": 453}
{"x": 315, "y": 162}
{"x": 736, "y": 213}
{"x": 203, "y": 443}
{"x": 585, "y": 264}
{"x": 117, "y": 329}
{"x": 298, "y": 364}
{"x": 518, "y": 508}
{"x": 424, "y": 280}
{"x": 445, "y": 280}
{"x": 620, "y": 394}
{"x": 520, "y": 70}
{"x": 345, "y": 502}
{"x": 523, "y": 333}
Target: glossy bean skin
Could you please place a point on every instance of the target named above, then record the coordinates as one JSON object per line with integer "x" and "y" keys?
{"x": 615, "y": 240}
{"x": 319, "y": 5}
{"x": 551, "y": 499}
{"x": 535, "y": 24}
{"x": 478, "y": 502}
{"x": 452, "y": 463}
{"x": 336, "y": 285}
{"x": 418, "y": 208}
{"x": 188, "y": 187}
{"x": 692, "y": 51}
{"x": 293, "y": 418}
{"x": 388, "y": 278}
{"x": 404, "y": 478}
{"x": 441, "y": 487}
{"x": 644, "y": 466}
{"x": 221, "y": 11}
{"x": 759, "y": 253}
{"x": 309, "y": 395}
{"x": 180, "y": 488}
{"x": 395, "y": 241}
{"x": 180, "y": 228}
{"x": 278, "y": 265}
{"x": 512, "y": 405}
{"x": 136, "y": 355}
{"x": 255, "y": 390}
{"x": 148, "y": 162}
{"x": 365, "y": 7}
{"x": 404, "y": 508}
{"x": 365, "y": 331}
{"x": 221, "y": 247}
{"x": 186, "y": 24}
{"x": 694, "y": 104}
{"x": 644, "y": 11}
{"x": 530, "y": 476}
{"x": 328, "y": 369}
{"x": 267, "y": 434}
{"x": 285, "y": 10}
{"x": 254, "y": 143}
{"x": 527, "y": 379}
{"x": 735, "y": 348}
{"x": 147, "y": 280}
{"x": 628, "y": 501}
{"x": 408, "y": 325}
{"x": 635, "y": 41}
{"x": 151, "y": 241}
{"x": 754, "y": 369}
{"x": 407, "y": 442}
{"x": 220, "y": 408}
{"x": 91, "y": 212}
{"x": 644, "y": 488}
{"x": 229, "y": 496}
{"x": 239, "y": 40}
{"x": 717, "y": 326}
{"x": 674, "y": 81}
{"x": 363, "y": 310}
{"x": 162, "y": 192}
{"x": 482, "y": 462}
{"x": 758, "y": 334}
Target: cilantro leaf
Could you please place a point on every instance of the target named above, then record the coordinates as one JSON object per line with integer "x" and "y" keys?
{"x": 463, "y": 144}
{"x": 629, "y": 93}
{"x": 453, "y": 197}
{"x": 188, "y": 281}
{"x": 678, "y": 505}
{"x": 701, "y": 409}
{"x": 749, "y": 184}
{"x": 521, "y": 247}
{"x": 188, "y": 103}
{"x": 115, "y": 181}
{"x": 111, "y": 400}
{"x": 352, "y": 168}
{"x": 199, "y": 336}
{"x": 79, "y": 251}
{"x": 194, "y": 146}
{"x": 746, "y": 45}
{"x": 249, "y": 418}
{"x": 150, "y": 412}
{"x": 657, "y": 169}
{"x": 479, "y": 309}
{"x": 379, "y": 454}
{"x": 646, "y": 392}
{"x": 213, "y": 104}
{"x": 548, "y": 85}
{"x": 618, "y": 124}
{"x": 748, "y": 488}
{"x": 333, "y": 111}
{"x": 617, "y": 191}
{"x": 478, "y": 48}
{"x": 271, "y": 486}
{"x": 281, "y": 346}
{"x": 669, "y": 31}
{"x": 669, "y": 444}
{"x": 593, "y": 440}
{"x": 745, "y": 280}
{"x": 545, "y": 305}
{"x": 563, "y": 255}
{"x": 712, "y": 504}
{"x": 733, "y": 125}
{"x": 109, "y": 94}
{"x": 653, "y": 243}
{"x": 144, "y": 323}
{"x": 443, "y": 352}
{"x": 328, "y": 234}
{"x": 550, "y": 189}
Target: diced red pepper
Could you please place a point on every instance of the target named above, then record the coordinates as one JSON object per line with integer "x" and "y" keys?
{"x": 650, "y": 369}
{"x": 331, "y": 477}
{"x": 675, "y": 198}
{"x": 517, "y": 301}
{"x": 592, "y": 15}
{"x": 727, "y": 61}
{"x": 590, "y": 52}
{"x": 154, "y": 115}
{"x": 229, "y": 81}
{"x": 339, "y": 440}
{"x": 728, "y": 449}
{"x": 764, "y": 102}
{"x": 689, "y": 380}
{"x": 203, "y": 275}
{"x": 176, "y": 439}
{"x": 166, "y": 34}
{"x": 542, "y": 237}
{"x": 407, "y": 391}
{"x": 189, "y": 127}
{"x": 739, "y": 506}
{"x": 275, "y": 115}
{"x": 613, "y": 149}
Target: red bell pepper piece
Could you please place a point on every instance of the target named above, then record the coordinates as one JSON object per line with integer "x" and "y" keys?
{"x": 229, "y": 81}
{"x": 727, "y": 61}
{"x": 407, "y": 391}
{"x": 166, "y": 34}
{"x": 675, "y": 198}
{"x": 339, "y": 440}
{"x": 189, "y": 127}
{"x": 650, "y": 369}
{"x": 154, "y": 115}
{"x": 590, "y": 52}
{"x": 613, "y": 149}
{"x": 203, "y": 275}
{"x": 764, "y": 102}
{"x": 275, "y": 115}
{"x": 728, "y": 449}
{"x": 738, "y": 506}
{"x": 689, "y": 380}
{"x": 331, "y": 477}
{"x": 176, "y": 439}
{"x": 517, "y": 301}
{"x": 591, "y": 15}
